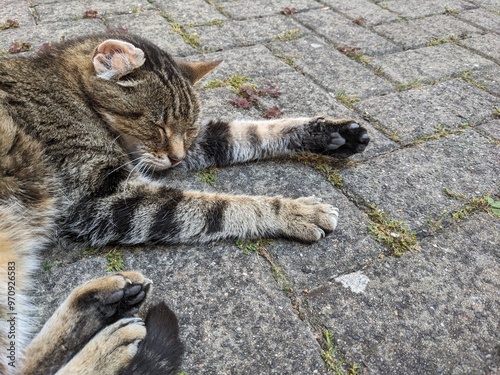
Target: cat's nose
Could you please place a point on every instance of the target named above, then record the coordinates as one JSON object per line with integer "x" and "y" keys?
{"x": 174, "y": 158}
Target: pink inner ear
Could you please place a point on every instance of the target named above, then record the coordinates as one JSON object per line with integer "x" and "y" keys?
{"x": 115, "y": 58}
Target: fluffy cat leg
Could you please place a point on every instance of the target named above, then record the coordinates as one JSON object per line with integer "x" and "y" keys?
{"x": 222, "y": 143}
{"x": 145, "y": 212}
{"x": 85, "y": 312}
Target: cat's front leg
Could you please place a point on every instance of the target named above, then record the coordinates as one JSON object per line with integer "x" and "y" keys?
{"x": 207, "y": 217}
{"x": 85, "y": 312}
{"x": 223, "y": 143}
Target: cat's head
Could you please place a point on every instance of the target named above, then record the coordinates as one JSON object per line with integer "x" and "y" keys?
{"x": 148, "y": 99}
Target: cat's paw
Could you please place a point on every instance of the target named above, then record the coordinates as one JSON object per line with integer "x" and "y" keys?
{"x": 110, "y": 351}
{"x": 335, "y": 137}
{"x": 356, "y": 139}
{"x": 112, "y": 297}
{"x": 307, "y": 219}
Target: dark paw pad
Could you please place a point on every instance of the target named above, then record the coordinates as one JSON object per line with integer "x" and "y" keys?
{"x": 124, "y": 302}
{"x": 113, "y": 297}
{"x": 342, "y": 137}
{"x": 356, "y": 139}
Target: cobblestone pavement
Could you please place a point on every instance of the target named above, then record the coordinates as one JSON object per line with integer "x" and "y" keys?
{"x": 424, "y": 77}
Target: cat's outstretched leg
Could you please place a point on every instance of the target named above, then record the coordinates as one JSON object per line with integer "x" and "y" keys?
{"x": 223, "y": 143}
{"x": 174, "y": 216}
{"x": 85, "y": 312}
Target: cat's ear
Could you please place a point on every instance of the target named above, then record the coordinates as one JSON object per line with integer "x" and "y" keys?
{"x": 194, "y": 71}
{"x": 114, "y": 59}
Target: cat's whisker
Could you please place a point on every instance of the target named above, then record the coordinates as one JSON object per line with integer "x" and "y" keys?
{"x": 137, "y": 166}
{"x": 113, "y": 142}
{"x": 124, "y": 165}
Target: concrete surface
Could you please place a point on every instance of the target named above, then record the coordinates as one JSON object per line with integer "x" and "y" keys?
{"x": 423, "y": 76}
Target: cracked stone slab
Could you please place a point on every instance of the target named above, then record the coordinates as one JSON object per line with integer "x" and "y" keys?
{"x": 421, "y": 8}
{"x": 233, "y": 318}
{"x": 344, "y": 32}
{"x": 243, "y": 9}
{"x": 430, "y": 63}
{"x": 330, "y": 68}
{"x": 245, "y": 32}
{"x": 419, "y": 112}
{"x": 363, "y": 11}
{"x": 419, "y": 32}
{"x": 435, "y": 311}
{"x": 488, "y": 45}
{"x": 409, "y": 183}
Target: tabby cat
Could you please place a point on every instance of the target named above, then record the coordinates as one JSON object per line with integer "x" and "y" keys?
{"x": 85, "y": 128}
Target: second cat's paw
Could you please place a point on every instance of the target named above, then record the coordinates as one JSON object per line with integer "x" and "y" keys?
{"x": 112, "y": 297}
{"x": 307, "y": 219}
{"x": 110, "y": 351}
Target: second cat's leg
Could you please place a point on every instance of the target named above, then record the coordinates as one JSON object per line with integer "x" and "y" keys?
{"x": 110, "y": 351}
{"x": 85, "y": 312}
{"x": 222, "y": 143}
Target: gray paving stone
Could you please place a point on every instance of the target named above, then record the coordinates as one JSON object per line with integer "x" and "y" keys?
{"x": 189, "y": 12}
{"x": 492, "y": 5}
{"x": 488, "y": 45}
{"x": 483, "y": 18}
{"x": 420, "y": 8}
{"x": 267, "y": 338}
{"x": 347, "y": 248}
{"x": 363, "y": 11}
{"x": 75, "y": 9}
{"x": 415, "y": 113}
{"x": 58, "y": 31}
{"x": 243, "y": 9}
{"x": 419, "y": 32}
{"x": 430, "y": 63}
{"x": 344, "y": 32}
{"x": 11, "y": 10}
{"x": 490, "y": 78}
{"x": 245, "y": 33}
{"x": 252, "y": 62}
{"x": 491, "y": 129}
{"x": 330, "y": 68}
{"x": 424, "y": 313}
{"x": 155, "y": 28}
{"x": 408, "y": 183}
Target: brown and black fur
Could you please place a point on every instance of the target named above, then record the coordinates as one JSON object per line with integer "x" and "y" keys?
{"x": 85, "y": 126}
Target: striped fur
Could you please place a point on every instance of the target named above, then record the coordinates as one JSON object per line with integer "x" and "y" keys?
{"x": 82, "y": 123}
